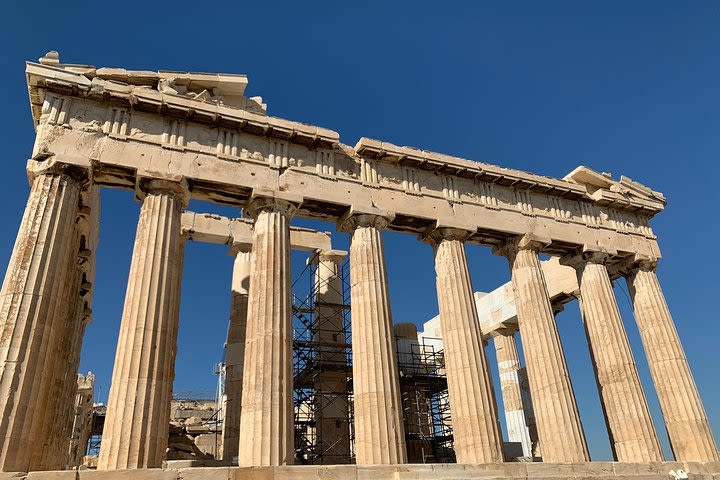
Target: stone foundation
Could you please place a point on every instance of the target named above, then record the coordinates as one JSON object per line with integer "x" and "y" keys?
{"x": 602, "y": 470}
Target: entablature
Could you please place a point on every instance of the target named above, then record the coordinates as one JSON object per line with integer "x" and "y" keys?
{"x": 126, "y": 132}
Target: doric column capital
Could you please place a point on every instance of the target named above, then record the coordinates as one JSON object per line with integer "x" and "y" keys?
{"x": 81, "y": 175}
{"x": 587, "y": 255}
{"x": 513, "y": 245}
{"x": 334, "y": 256}
{"x": 637, "y": 262}
{"x": 286, "y": 204}
{"x": 236, "y": 248}
{"x": 153, "y": 186}
{"x": 436, "y": 235}
{"x": 364, "y": 217}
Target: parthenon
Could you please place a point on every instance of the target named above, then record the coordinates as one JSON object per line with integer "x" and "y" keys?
{"x": 175, "y": 136}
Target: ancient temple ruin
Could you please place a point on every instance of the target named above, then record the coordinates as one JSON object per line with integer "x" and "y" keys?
{"x": 175, "y": 136}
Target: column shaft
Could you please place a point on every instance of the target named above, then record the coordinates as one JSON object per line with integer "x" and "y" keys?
{"x": 519, "y": 416}
{"x": 44, "y": 456}
{"x": 630, "y": 426}
{"x": 688, "y": 428}
{"x": 266, "y": 424}
{"x": 558, "y": 421}
{"x": 30, "y": 297}
{"x": 476, "y": 431}
{"x": 235, "y": 354}
{"x": 138, "y": 415}
{"x": 379, "y": 432}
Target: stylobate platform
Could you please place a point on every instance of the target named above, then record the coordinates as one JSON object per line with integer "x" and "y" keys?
{"x": 602, "y": 470}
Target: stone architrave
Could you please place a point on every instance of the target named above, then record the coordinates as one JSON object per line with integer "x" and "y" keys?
{"x": 476, "y": 431}
{"x": 379, "y": 431}
{"x": 138, "y": 414}
{"x": 235, "y": 350}
{"x": 559, "y": 428}
{"x": 266, "y": 423}
{"x": 32, "y": 292}
{"x": 687, "y": 424}
{"x": 630, "y": 427}
{"x": 519, "y": 415}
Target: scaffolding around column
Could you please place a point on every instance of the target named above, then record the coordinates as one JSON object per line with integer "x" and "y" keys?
{"x": 322, "y": 370}
{"x": 426, "y": 410}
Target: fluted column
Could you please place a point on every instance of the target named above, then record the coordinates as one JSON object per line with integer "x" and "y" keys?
{"x": 519, "y": 415}
{"x": 138, "y": 414}
{"x": 54, "y": 421}
{"x": 235, "y": 350}
{"x": 266, "y": 423}
{"x": 379, "y": 432}
{"x": 630, "y": 427}
{"x": 44, "y": 456}
{"x": 89, "y": 229}
{"x": 31, "y": 295}
{"x": 560, "y": 432}
{"x": 331, "y": 383}
{"x": 476, "y": 433}
{"x": 687, "y": 424}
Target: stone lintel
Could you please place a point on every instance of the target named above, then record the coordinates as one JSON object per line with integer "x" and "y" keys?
{"x": 211, "y": 228}
{"x": 497, "y": 309}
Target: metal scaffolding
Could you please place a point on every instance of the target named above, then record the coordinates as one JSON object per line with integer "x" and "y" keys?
{"x": 426, "y": 412}
{"x": 322, "y": 368}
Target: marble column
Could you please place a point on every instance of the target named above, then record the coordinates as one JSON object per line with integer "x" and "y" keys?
{"x": 235, "y": 350}
{"x": 30, "y": 297}
{"x": 519, "y": 415}
{"x": 687, "y": 424}
{"x": 559, "y": 428}
{"x": 53, "y": 423}
{"x": 379, "y": 432}
{"x": 629, "y": 423}
{"x": 331, "y": 383}
{"x": 138, "y": 414}
{"x": 266, "y": 424}
{"x": 476, "y": 431}
{"x": 50, "y": 427}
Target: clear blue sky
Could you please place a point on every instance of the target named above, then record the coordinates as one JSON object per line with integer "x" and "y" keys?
{"x": 624, "y": 87}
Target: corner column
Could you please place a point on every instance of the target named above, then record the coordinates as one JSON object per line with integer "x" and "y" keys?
{"x": 138, "y": 414}
{"x": 476, "y": 431}
{"x": 379, "y": 431}
{"x": 266, "y": 423}
{"x": 519, "y": 415}
{"x": 77, "y": 297}
{"x": 687, "y": 424}
{"x": 630, "y": 427}
{"x": 560, "y": 432}
{"x": 235, "y": 350}
{"x": 32, "y": 293}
